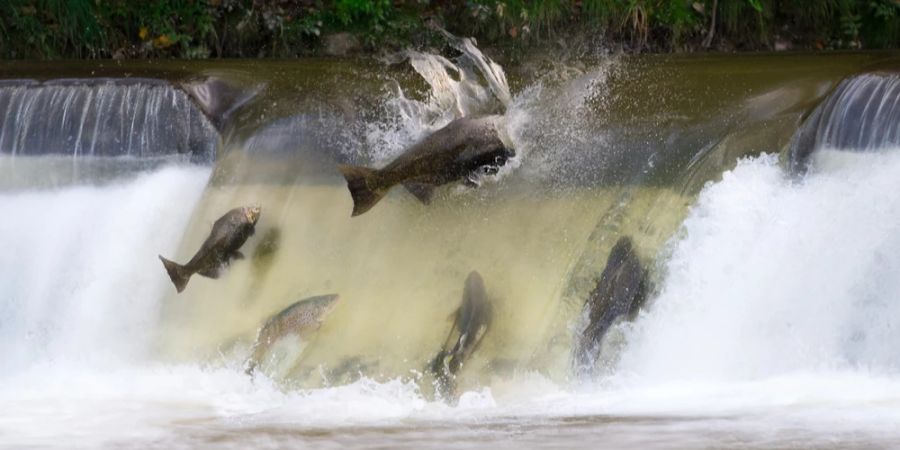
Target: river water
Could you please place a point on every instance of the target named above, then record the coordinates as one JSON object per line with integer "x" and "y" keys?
{"x": 772, "y": 321}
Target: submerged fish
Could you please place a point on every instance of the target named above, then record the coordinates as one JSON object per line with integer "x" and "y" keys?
{"x": 621, "y": 291}
{"x": 221, "y": 247}
{"x": 471, "y": 322}
{"x": 300, "y": 319}
{"x": 456, "y": 152}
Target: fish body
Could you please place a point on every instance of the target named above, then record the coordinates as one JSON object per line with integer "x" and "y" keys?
{"x": 456, "y": 152}
{"x": 300, "y": 319}
{"x": 219, "y": 99}
{"x": 471, "y": 322}
{"x": 221, "y": 247}
{"x": 619, "y": 292}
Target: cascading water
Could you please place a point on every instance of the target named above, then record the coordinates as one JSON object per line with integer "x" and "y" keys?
{"x": 129, "y": 221}
{"x": 862, "y": 115}
{"x": 97, "y": 117}
{"x": 770, "y": 324}
{"x": 772, "y": 277}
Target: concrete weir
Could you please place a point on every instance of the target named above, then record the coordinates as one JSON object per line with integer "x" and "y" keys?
{"x": 133, "y": 117}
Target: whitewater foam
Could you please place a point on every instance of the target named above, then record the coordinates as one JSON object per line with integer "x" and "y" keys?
{"x": 80, "y": 277}
{"x": 776, "y": 312}
{"x": 771, "y": 276}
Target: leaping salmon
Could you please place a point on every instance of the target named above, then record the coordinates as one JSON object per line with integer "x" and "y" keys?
{"x": 221, "y": 247}
{"x": 456, "y": 152}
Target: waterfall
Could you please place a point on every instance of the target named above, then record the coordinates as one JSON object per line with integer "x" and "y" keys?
{"x": 771, "y": 314}
{"x": 80, "y": 274}
{"x": 102, "y": 117}
{"x": 770, "y": 277}
{"x": 861, "y": 115}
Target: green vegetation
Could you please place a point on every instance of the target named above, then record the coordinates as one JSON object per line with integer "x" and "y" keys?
{"x": 44, "y": 29}
{"x": 684, "y": 25}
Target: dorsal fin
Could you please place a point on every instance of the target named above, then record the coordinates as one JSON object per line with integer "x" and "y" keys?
{"x": 423, "y": 192}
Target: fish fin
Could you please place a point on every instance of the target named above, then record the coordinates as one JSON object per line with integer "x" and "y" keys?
{"x": 259, "y": 349}
{"x": 455, "y": 363}
{"x": 237, "y": 254}
{"x": 423, "y": 192}
{"x": 359, "y": 182}
{"x": 453, "y": 315}
{"x": 250, "y": 366}
{"x": 176, "y": 273}
{"x": 213, "y": 272}
{"x": 460, "y": 343}
{"x": 438, "y": 365}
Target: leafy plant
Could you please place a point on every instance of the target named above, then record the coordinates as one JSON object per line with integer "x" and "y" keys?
{"x": 251, "y": 28}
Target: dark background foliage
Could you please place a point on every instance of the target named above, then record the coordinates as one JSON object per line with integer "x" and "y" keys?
{"x": 47, "y": 29}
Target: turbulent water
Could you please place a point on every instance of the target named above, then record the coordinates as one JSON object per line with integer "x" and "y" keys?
{"x": 772, "y": 321}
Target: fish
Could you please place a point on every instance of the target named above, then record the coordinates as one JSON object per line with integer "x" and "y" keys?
{"x": 460, "y": 151}
{"x": 620, "y": 292}
{"x": 300, "y": 319}
{"x": 219, "y": 99}
{"x": 221, "y": 247}
{"x": 471, "y": 321}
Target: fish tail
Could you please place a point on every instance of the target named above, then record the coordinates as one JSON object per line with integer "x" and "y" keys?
{"x": 251, "y": 363}
{"x": 256, "y": 355}
{"x": 360, "y": 181}
{"x": 437, "y": 365}
{"x": 176, "y": 273}
{"x": 264, "y": 339}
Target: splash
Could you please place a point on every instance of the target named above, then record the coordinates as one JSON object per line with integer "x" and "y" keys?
{"x": 556, "y": 123}
{"x": 473, "y": 57}
{"x": 73, "y": 260}
{"x": 770, "y": 277}
{"x": 471, "y": 84}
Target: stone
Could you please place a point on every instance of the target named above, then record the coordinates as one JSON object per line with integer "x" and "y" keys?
{"x": 341, "y": 44}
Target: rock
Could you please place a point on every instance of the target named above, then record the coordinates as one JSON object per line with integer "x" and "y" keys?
{"x": 782, "y": 45}
{"x": 341, "y": 44}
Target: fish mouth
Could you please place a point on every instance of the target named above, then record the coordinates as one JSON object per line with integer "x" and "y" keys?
{"x": 333, "y": 301}
{"x": 253, "y": 213}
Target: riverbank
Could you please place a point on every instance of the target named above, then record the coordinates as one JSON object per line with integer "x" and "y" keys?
{"x": 55, "y": 29}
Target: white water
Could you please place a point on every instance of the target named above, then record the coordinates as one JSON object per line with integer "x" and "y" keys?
{"x": 775, "y": 326}
{"x": 470, "y": 86}
{"x": 79, "y": 280}
{"x": 774, "y": 277}
{"x": 862, "y": 114}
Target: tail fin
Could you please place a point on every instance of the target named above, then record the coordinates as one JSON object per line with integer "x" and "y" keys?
{"x": 176, "y": 273}
{"x": 359, "y": 182}
{"x": 259, "y": 349}
{"x": 253, "y": 360}
{"x": 438, "y": 365}
{"x": 249, "y": 367}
